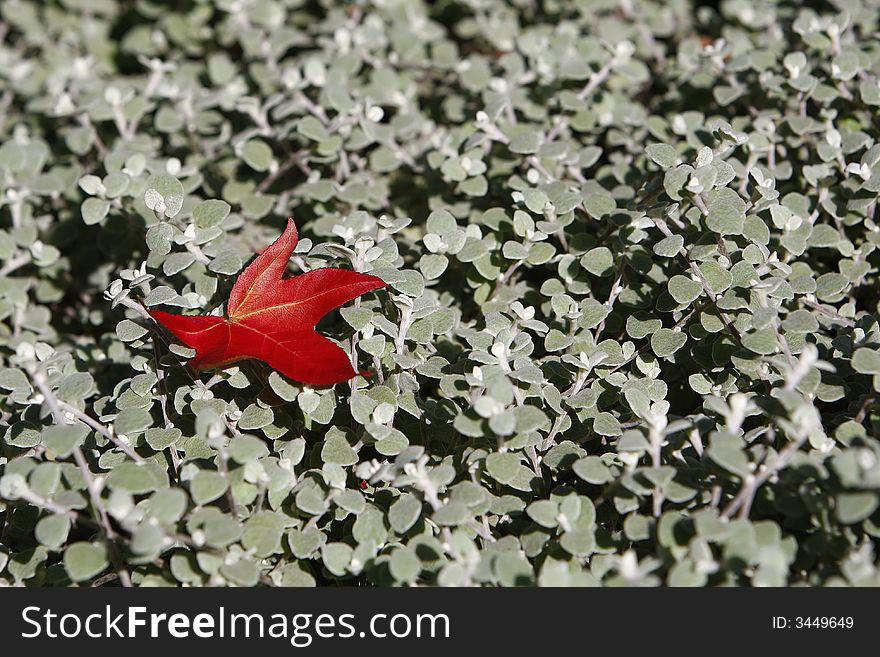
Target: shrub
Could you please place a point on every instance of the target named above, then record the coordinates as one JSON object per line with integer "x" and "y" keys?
{"x": 630, "y": 333}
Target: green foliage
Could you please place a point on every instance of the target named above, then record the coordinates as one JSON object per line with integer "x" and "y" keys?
{"x": 631, "y": 330}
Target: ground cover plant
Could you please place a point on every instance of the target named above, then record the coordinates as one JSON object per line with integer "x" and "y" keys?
{"x": 628, "y": 333}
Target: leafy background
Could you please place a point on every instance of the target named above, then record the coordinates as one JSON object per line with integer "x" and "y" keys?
{"x": 631, "y": 333}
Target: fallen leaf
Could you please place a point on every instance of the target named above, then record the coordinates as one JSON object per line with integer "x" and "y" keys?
{"x": 272, "y": 318}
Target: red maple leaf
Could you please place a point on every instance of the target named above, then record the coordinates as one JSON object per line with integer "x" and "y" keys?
{"x": 273, "y": 319}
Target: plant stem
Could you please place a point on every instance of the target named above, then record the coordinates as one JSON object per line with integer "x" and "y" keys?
{"x": 110, "y": 536}
{"x": 101, "y": 429}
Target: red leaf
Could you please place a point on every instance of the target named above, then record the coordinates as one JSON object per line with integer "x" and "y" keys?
{"x": 273, "y": 319}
